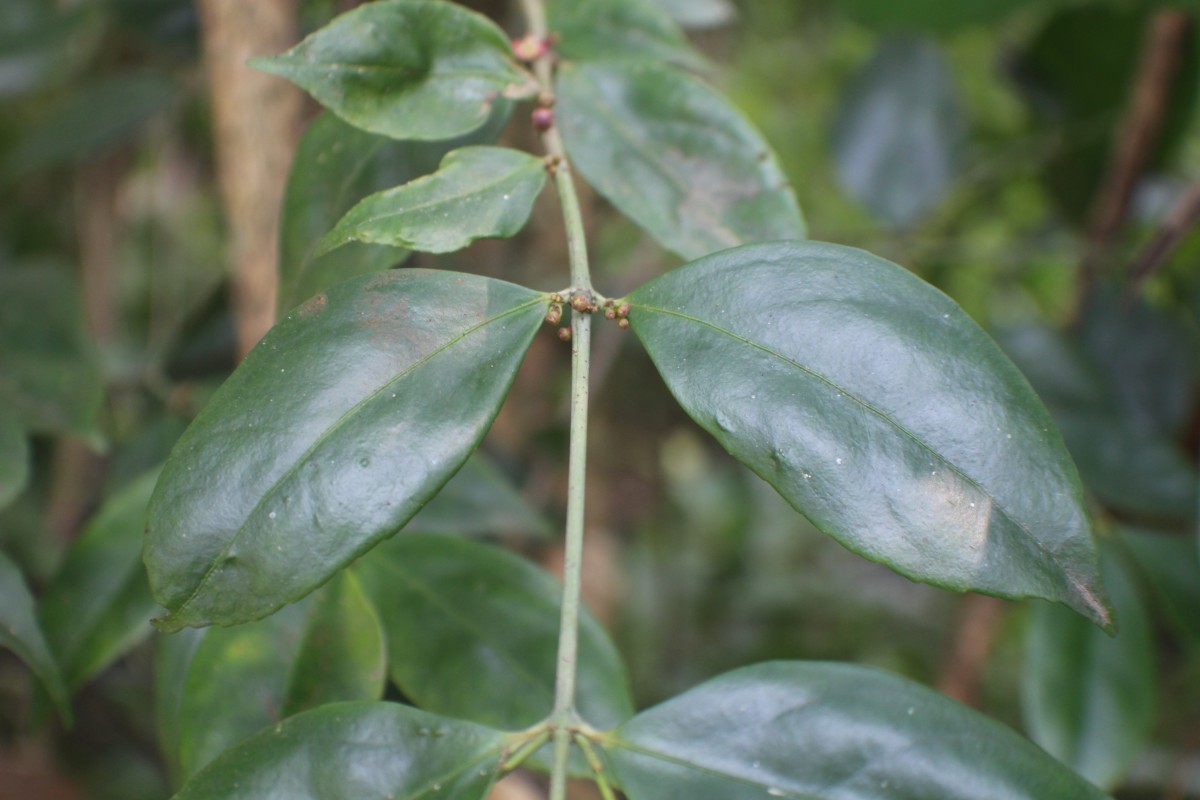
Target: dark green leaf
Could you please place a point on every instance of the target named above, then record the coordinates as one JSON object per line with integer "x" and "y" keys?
{"x": 352, "y": 751}
{"x": 698, "y": 13}
{"x": 674, "y": 156}
{"x": 338, "y": 427}
{"x": 899, "y": 131}
{"x": 1127, "y": 463}
{"x": 49, "y": 375}
{"x": 409, "y": 69}
{"x": 935, "y": 15}
{"x": 1089, "y": 698}
{"x": 92, "y": 119}
{"x": 19, "y": 632}
{"x": 479, "y": 501}
{"x": 1170, "y": 568}
{"x": 601, "y": 30}
{"x": 327, "y": 648}
{"x": 814, "y": 731}
{"x": 99, "y": 605}
{"x": 14, "y": 457}
{"x": 472, "y": 632}
{"x": 336, "y": 165}
{"x": 477, "y": 193}
{"x": 880, "y": 411}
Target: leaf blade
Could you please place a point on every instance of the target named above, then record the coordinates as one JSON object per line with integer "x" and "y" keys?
{"x": 824, "y": 731}
{"x": 20, "y": 633}
{"x": 673, "y": 155}
{"x": 346, "y": 418}
{"x": 408, "y": 69}
{"x": 879, "y": 410}
{"x": 476, "y": 193}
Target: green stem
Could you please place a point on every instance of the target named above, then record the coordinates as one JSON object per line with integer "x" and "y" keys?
{"x": 564, "y": 719}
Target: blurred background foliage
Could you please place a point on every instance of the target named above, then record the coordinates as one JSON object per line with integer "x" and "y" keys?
{"x": 1038, "y": 161}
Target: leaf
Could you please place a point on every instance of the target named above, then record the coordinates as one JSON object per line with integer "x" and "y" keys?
{"x": 49, "y": 375}
{"x": 1170, "y": 568}
{"x": 699, "y": 13}
{"x": 350, "y": 751}
{"x": 602, "y": 30}
{"x": 1088, "y": 698}
{"x": 823, "y": 731}
{"x": 477, "y": 193}
{"x": 479, "y": 501}
{"x": 91, "y": 120}
{"x": 328, "y": 648}
{"x": 899, "y": 131}
{"x": 408, "y": 69}
{"x": 472, "y": 632}
{"x": 338, "y": 427}
{"x": 336, "y": 165}
{"x": 19, "y": 632}
{"x": 172, "y": 659}
{"x": 880, "y": 411}
{"x": 14, "y": 457}
{"x": 934, "y": 15}
{"x": 1128, "y": 464}
{"x": 98, "y": 605}
{"x": 674, "y": 157}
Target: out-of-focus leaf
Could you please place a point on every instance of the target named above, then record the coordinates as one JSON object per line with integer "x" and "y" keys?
{"x": 1076, "y": 72}
{"x": 933, "y": 15}
{"x": 339, "y": 426}
{"x": 49, "y": 376}
{"x": 1170, "y": 569}
{"x": 40, "y": 44}
{"x": 880, "y": 411}
{"x": 479, "y": 501}
{"x": 99, "y": 605}
{"x": 476, "y": 193}
{"x": 899, "y": 131}
{"x": 1127, "y": 464}
{"x": 1089, "y": 698}
{"x": 351, "y": 751}
{"x": 336, "y": 165}
{"x": 14, "y": 457}
{"x": 591, "y": 30}
{"x": 172, "y": 659}
{"x": 472, "y": 632}
{"x": 92, "y": 119}
{"x": 327, "y": 648}
{"x": 674, "y": 156}
{"x": 409, "y": 69}
{"x": 819, "y": 731}
{"x": 698, "y": 13}
{"x": 19, "y": 632}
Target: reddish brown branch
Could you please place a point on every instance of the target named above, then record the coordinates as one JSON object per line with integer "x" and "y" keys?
{"x": 963, "y": 671}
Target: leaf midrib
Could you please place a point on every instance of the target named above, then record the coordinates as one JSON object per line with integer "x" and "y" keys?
{"x": 1075, "y": 583}
{"x": 325, "y": 434}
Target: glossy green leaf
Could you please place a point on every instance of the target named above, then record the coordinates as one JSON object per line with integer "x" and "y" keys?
{"x": 1088, "y": 698}
{"x": 338, "y": 427}
{"x": 92, "y": 119}
{"x": 899, "y": 131}
{"x": 1170, "y": 568}
{"x": 1123, "y": 454}
{"x": 698, "y": 13}
{"x": 49, "y": 375}
{"x": 351, "y": 751}
{"x": 822, "y": 731}
{"x": 934, "y": 15}
{"x": 14, "y": 457}
{"x": 472, "y": 632}
{"x": 602, "y": 30}
{"x": 19, "y": 632}
{"x": 327, "y": 648}
{"x": 336, "y": 165}
{"x": 476, "y": 193}
{"x": 479, "y": 501}
{"x": 880, "y": 411}
{"x": 674, "y": 156}
{"x": 98, "y": 605}
{"x": 409, "y": 69}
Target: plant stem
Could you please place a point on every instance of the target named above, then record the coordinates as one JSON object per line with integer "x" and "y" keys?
{"x": 564, "y": 718}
